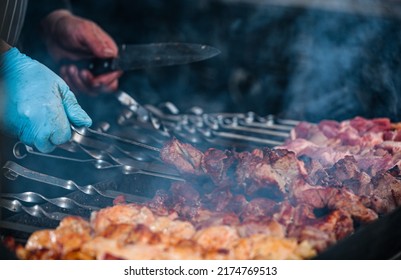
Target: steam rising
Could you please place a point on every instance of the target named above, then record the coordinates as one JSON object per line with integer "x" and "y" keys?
{"x": 301, "y": 59}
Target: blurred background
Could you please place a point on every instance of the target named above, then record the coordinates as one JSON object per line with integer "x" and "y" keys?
{"x": 300, "y": 59}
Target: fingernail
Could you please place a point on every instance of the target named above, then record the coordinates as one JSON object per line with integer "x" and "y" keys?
{"x": 72, "y": 70}
{"x": 108, "y": 51}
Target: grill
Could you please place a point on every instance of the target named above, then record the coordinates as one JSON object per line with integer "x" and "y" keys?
{"x": 116, "y": 160}
{"x": 122, "y": 159}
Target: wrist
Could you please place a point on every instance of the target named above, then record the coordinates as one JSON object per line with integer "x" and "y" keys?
{"x": 7, "y": 56}
{"x": 11, "y": 60}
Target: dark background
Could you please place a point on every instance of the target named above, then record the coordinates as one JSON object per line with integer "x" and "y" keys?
{"x": 296, "y": 62}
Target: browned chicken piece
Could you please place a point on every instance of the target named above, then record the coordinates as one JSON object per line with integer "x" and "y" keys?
{"x": 317, "y": 238}
{"x": 162, "y": 237}
{"x": 130, "y": 234}
{"x": 104, "y": 248}
{"x": 262, "y": 247}
{"x": 124, "y": 213}
{"x": 185, "y": 250}
{"x": 266, "y": 226}
{"x": 216, "y": 237}
{"x": 175, "y": 230}
{"x": 68, "y": 237}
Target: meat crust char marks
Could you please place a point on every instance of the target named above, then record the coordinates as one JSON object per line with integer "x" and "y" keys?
{"x": 323, "y": 183}
{"x": 290, "y": 202}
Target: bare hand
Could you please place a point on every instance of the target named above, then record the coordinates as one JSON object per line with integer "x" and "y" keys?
{"x": 71, "y": 37}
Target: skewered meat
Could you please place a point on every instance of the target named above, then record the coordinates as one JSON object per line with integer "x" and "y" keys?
{"x": 109, "y": 236}
{"x": 184, "y": 155}
{"x": 289, "y": 202}
{"x": 219, "y": 166}
{"x": 327, "y": 179}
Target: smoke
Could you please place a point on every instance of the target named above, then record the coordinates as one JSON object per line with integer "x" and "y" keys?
{"x": 347, "y": 66}
{"x": 301, "y": 59}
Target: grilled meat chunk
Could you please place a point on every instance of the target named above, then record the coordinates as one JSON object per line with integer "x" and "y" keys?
{"x": 266, "y": 171}
{"x": 288, "y": 202}
{"x": 386, "y": 195}
{"x": 162, "y": 237}
{"x": 219, "y": 165}
{"x": 184, "y": 157}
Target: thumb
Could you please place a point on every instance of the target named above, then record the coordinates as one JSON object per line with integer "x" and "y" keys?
{"x": 99, "y": 42}
{"x": 75, "y": 114}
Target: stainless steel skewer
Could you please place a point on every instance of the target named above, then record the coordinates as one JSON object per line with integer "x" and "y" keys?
{"x": 62, "y": 202}
{"x": 35, "y": 211}
{"x": 13, "y": 170}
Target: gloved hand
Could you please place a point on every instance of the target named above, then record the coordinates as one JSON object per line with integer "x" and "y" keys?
{"x": 38, "y": 106}
{"x": 71, "y": 37}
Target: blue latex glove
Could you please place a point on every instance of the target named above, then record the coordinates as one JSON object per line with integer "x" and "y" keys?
{"x": 38, "y": 106}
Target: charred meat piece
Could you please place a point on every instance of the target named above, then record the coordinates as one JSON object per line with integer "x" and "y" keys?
{"x": 315, "y": 174}
{"x": 255, "y": 175}
{"x": 359, "y": 185}
{"x": 386, "y": 195}
{"x": 185, "y": 199}
{"x": 266, "y": 172}
{"x": 324, "y": 231}
{"x": 184, "y": 157}
{"x": 284, "y": 163}
{"x": 325, "y": 154}
{"x": 160, "y": 203}
{"x": 237, "y": 203}
{"x": 258, "y": 207}
{"x": 290, "y": 215}
{"x": 219, "y": 166}
{"x": 332, "y": 199}
{"x": 344, "y": 169}
{"x": 338, "y": 221}
{"x": 218, "y": 199}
